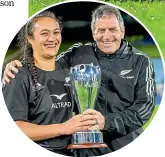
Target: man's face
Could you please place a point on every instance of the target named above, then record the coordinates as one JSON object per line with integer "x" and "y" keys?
{"x": 108, "y": 34}
{"x": 46, "y": 38}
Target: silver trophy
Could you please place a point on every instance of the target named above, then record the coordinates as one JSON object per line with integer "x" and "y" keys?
{"x": 85, "y": 80}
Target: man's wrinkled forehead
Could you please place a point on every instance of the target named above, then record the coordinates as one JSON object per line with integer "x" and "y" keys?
{"x": 112, "y": 16}
{"x": 109, "y": 20}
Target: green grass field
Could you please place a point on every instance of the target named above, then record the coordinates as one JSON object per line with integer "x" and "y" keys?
{"x": 36, "y": 5}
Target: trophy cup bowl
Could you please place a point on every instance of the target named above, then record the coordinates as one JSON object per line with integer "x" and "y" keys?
{"x": 85, "y": 81}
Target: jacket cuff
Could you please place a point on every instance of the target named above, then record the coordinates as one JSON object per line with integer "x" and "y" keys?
{"x": 108, "y": 123}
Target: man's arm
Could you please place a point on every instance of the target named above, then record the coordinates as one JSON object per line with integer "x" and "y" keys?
{"x": 139, "y": 113}
{"x": 134, "y": 117}
{"x": 64, "y": 58}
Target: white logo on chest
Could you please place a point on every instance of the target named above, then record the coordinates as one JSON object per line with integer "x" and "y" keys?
{"x": 67, "y": 79}
{"x": 61, "y": 105}
{"x": 125, "y": 72}
{"x": 59, "y": 97}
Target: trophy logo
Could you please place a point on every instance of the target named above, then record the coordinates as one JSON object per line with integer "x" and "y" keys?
{"x": 85, "y": 82}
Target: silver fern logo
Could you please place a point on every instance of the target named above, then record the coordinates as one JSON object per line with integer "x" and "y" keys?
{"x": 125, "y": 72}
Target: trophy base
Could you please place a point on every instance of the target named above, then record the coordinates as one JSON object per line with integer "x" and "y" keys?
{"x": 87, "y": 139}
{"x": 87, "y": 145}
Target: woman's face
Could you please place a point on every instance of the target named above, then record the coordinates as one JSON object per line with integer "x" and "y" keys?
{"x": 46, "y": 38}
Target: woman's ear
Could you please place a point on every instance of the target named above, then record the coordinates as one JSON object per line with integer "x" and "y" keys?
{"x": 29, "y": 40}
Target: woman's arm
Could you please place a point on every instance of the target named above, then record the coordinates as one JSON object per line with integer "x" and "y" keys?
{"x": 41, "y": 132}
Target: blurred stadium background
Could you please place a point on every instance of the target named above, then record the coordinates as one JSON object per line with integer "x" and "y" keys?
{"x": 76, "y": 18}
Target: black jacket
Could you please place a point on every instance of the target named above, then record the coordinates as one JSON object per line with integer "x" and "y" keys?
{"x": 127, "y": 93}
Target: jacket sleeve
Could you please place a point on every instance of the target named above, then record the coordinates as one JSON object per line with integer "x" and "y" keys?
{"x": 139, "y": 113}
{"x": 64, "y": 58}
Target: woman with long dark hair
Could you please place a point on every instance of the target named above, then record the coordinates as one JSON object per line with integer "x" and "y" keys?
{"x": 39, "y": 99}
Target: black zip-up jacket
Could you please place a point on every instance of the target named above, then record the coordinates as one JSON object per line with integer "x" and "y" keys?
{"x": 127, "y": 93}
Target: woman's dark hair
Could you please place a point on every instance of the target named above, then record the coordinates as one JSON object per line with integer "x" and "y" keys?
{"x": 27, "y": 31}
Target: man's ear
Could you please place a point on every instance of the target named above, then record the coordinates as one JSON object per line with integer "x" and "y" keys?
{"x": 94, "y": 36}
{"x": 123, "y": 33}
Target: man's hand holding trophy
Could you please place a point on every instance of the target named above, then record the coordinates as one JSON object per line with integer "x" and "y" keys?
{"x": 100, "y": 120}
